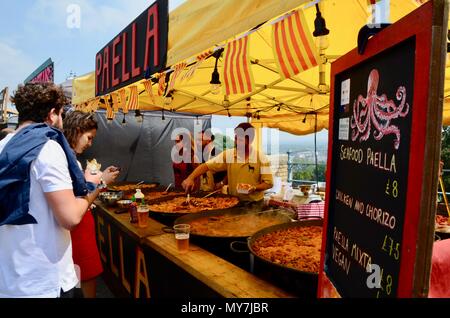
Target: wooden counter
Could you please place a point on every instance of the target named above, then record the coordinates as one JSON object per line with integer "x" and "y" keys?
{"x": 223, "y": 277}
{"x": 145, "y": 262}
{"x": 123, "y": 222}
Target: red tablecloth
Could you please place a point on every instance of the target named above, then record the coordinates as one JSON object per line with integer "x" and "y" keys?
{"x": 440, "y": 270}
{"x": 303, "y": 211}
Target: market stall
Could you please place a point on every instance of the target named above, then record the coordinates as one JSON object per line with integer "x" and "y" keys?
{"x": 280, "y": 85}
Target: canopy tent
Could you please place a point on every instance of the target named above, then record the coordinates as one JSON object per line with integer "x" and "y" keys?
{"x": 298, "y": 105}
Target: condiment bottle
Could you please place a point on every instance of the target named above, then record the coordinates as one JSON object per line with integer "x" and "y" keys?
{"x": 139, "y": 196}
{"x": 133, "y": 211}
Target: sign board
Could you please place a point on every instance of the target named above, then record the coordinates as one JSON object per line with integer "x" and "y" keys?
{"x": 139, "y": 49}
{"x": 123, "y": 257}
{"x": 384, "y": 148}
{"x": 43, "y": 74}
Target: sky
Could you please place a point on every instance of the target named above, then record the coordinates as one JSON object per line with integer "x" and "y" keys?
{"x": 36, "y": 30}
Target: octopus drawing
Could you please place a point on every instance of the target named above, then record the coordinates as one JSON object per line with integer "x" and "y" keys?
{"x": 377, "y": 111}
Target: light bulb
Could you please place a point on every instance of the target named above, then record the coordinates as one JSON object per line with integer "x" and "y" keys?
{"x": 323, "y": 42}
{"x": 215, "y": 89}
{"x": 168, "y": 100}
{"x": 139, "y": 117}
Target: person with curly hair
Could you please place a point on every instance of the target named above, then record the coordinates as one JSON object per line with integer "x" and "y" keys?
{"x": 43, "y": 195}
{"x": 80, "y": 130}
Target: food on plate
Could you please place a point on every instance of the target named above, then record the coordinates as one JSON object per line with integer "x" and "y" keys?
{"x": 244, "y": 188}
{"x": 133, "y": 187}
{"x": 93, "y": 166}
{"x": 180, "y": 204}
{"x": 441, "y": 221}
{"x": 296, "y": 247}
{"x": 235, "y": 225}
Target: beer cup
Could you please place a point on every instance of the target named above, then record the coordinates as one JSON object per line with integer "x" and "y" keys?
{"x": 182, "y": 237}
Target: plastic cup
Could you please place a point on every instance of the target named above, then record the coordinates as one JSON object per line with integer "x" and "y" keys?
{"x": 142, "y": 212}
{"x": 182, "y": 237}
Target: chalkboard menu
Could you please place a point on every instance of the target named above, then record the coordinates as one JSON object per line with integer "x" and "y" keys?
{"x": 372, "y": 139}
{"x": 378, "y": 161}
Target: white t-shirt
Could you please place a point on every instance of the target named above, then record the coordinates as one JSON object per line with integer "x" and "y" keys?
{"x": 36, "y": 259}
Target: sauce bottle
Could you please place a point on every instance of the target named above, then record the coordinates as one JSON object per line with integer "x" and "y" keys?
{"x": 133, "y": 211}
{"x": 139, "y": 196}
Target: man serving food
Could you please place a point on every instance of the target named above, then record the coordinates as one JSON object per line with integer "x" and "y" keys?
{"x": 248, "y": 169}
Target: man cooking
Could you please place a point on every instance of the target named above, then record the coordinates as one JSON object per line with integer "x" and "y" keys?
{"x": 246, "y": 167}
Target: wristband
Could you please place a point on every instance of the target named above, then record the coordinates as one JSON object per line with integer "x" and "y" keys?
{"x": 91, "y": 186}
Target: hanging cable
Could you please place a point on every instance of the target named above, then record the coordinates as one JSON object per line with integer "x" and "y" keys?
{"x": 304, "y": 119}
{"x": 215, "y": 77}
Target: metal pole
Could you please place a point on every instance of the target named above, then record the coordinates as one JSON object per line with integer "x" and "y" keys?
{"x": 315, "y": 148}
{"x": 381, "y": 12}
{"x": 289, "y": 178}
{"x": 4, "y": 105}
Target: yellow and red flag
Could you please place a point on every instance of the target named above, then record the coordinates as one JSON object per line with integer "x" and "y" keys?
{"x": 237, "y": 75}
{"x": 293, "y": 45}
{"x": 177, "y": 71}
{"x": 133, "y": 103}
{"x": 199, "y": 60}
{"x": 148, "y": 85}
{"x": 162, "y": 84}
{"x": 92, "y": 105}
{"x": 110, "y": 114}
{"x": 123, "y": 100}
{"x": 115, "y": 102}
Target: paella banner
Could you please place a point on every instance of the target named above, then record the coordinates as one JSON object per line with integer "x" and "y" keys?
{"x": 140, "y": 49}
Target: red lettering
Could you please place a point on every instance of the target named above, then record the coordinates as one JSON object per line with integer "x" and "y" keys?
{"x": 115, "y": 61}
{"x": 125, "y": 73}
{"x": 152, "y": 33}
{"x": 98, "y": 70}
{"x": 135, "y": 71}
{"x": 105, "y": 73}
{"x": 45, "y": 76}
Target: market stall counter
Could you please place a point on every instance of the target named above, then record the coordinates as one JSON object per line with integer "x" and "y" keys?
{"x": 145, "y": 262}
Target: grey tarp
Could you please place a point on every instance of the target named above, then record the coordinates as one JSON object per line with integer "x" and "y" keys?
{"x": 142, "y": 150}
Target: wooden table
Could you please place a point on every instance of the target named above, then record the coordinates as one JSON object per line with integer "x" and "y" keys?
{"x": 123, "y": 222}
{"x": 145, "y": 263}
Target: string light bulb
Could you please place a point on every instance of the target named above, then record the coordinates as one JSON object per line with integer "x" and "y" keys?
{"x": 138, "y": 115}
{"x": 162, "y": 115}
{"x": 168, "y": 99}
{"x": 215, "y": 77}
{"x": 304, "y": 119}
{"x": 320, "y": 26}
{"x": 124, "y": 122}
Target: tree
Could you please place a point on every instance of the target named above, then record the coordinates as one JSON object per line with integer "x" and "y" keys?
{"x": 222, "y": 142}
{"x": 445, "y": 156}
